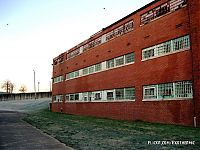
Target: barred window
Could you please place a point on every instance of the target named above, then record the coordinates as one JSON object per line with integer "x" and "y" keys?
{"x": 119, "y": 61}
{"x": 148, "y": 53}
{"x": 70, "y": 75}
{"x": 181, "y": 43}
{"x": 58, "y": 98}
{"x": 129, "y": 58}
{"x": 91, "y": 69}
{"x": 161, "y": 10}
{"x": 110, "y": 63}
{"x": 76, "y": 74}
{"x": 130, "y": 93}
{"x": 98, "y": 67}
{"x": 85, "y": 96}
{"x": 110, "y": 95}
{"x": 177, "y": 44}
{"x": 128, "y": 26}
{"x": 76, "y": 97}
{"x": 119, "y": 94}
{"x": 67, "y": 97}
{"x": 97, "y": 95}
{"x": 183, "y": 89}
{"x": 119, "y": 31}
{"x": 85, "y": 71}
{"x": 150, "y": 92}
{"x": 164, "y": 48}
{"x": 165, "y": 90}
{"x": 72, "y": 97}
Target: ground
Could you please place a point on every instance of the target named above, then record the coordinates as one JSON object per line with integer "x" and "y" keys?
{"x": 16, "y": 134}
{"x": 90, "y": 133}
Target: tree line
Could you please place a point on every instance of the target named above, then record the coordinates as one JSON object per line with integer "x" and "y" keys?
{"x": 9, "y": 87}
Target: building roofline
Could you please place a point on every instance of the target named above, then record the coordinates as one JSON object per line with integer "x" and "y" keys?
{"x": 136, "y": 11}
{"x": 109, "y": 26}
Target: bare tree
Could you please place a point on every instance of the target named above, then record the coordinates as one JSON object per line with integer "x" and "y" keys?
{"x": 23, "y": 89}
{"x": 8, "y": 86}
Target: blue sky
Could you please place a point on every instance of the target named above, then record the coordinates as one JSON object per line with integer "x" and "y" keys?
{"x": 33, "y": 32}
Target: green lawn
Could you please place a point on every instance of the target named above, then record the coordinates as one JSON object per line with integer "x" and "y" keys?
{"x": 90, "y": 133}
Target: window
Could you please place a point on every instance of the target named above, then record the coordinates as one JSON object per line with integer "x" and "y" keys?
{"x": 130, "y": 93}
{"x": 119, "y": 31}
{"x": 85, "y": 71}
{"x": 85, "y": 96}
{"x": 178, "y": 44}
{"x": 70, "y": 75}
{"x": 119, "y": 94}
{"x": 58, "y": 98}
{"x": 58, "y": 79}
{"x": 176, "y": 4}
{"x": 165, "y": 90}
{"x": 119, "y": 61}
{"x": 90, "y": 96}
{"x": 183, "y": 89}
{"x": 162, "y": 10}
{"x": 76, "y": 74}
{"x": 110, "y": 95}
{"x": 110, "y": 63}
{"x": 181, "y": 43}
{"x": 150, "y": 92}
{"x": 72, "y": 97}
{"x": 128, "y": 26}
{"x": 67, "y": 97}
{"x": 129, "y": 58}
{"x": 97, "y": 95}
{"x": 76, "y": 97}
{"x": 148, "y": 53}
{"x": 164, "y": 48}
{"x": 98, "y": 67}
{"x": 91, "y": 69}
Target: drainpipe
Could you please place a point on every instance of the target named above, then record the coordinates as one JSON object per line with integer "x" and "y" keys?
{"x": 194, "y": 105}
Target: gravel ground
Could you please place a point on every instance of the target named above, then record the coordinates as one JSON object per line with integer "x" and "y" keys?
{"x": 25, "y": 106}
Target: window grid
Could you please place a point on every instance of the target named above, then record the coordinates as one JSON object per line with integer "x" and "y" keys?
{"x": 85, "y": 71}
{"x": 165, "y": 90}
{"x": 178, "y": 44}
{"x": 150, "y": 92}
{"x": 129, "y": 58}
{"x": 119, "y": 61}
{"x": 105, "y": 95}
{"x": 119, "y": 94}
{"x": 110, "y": 64}
{"x": 161, "y": 10}
{"x": 182, "y": 89}
{"x": 129, "y": 93}
{"x": 115, "y": 62}
{"x": 91, "y": 69}
{"x": 125, "y": 28}
{"x": 98, "y": 67}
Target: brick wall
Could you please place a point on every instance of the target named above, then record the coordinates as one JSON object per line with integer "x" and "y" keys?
{"x": 170, "y": 68}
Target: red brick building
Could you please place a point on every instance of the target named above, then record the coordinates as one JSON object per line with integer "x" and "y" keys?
{"x": 146, "y": 66}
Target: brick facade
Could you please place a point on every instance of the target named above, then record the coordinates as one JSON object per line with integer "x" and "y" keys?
{"x": 181, "y": 66}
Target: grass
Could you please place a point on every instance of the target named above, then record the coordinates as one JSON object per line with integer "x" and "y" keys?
{"x": 90, "y": 133}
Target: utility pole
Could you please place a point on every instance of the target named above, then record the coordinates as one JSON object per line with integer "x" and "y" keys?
{"x": 34, "y": 83}
{"x": 50, "y": 86}
{"x": 38, "y": 86}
